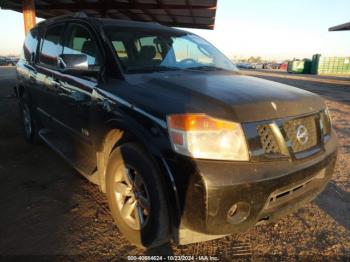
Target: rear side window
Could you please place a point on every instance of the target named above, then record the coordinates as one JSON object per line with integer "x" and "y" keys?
{"x": 51, "y": 47}
{"x": 30, "y": 45}
{"x": 80, "y": 41}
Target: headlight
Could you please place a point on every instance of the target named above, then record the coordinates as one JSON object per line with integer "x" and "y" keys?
{"x": 201, "y": 136}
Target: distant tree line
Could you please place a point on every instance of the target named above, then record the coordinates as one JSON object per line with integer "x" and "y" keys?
{"x": 252, "y": 59}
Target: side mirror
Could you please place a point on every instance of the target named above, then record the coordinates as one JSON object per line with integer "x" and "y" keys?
{"x": 76, "y": 64}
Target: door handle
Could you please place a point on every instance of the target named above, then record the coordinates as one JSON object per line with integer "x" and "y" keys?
{"x": 80, "y": 97}
{"x": 55, "y": 83}
{"x": 32, "y": 78}
{"x": 104, "y": 105}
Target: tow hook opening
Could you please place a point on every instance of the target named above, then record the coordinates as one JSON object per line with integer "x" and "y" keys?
{"x": 238, "y": 213}
{"x": 263, "y": 220}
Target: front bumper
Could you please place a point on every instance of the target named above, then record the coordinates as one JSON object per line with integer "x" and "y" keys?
{"x": 261, "y": 191}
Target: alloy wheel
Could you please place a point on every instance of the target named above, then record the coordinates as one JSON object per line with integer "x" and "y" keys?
{"x": 132, "y": 197}
{"x": 27, "y": 120}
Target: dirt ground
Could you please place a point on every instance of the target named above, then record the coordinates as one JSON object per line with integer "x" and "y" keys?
{"x": 49, "y": 212}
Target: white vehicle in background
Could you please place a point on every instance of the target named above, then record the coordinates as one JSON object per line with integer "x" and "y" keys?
{"x": 259, "y": 66}
{"x": 246, "y": 66}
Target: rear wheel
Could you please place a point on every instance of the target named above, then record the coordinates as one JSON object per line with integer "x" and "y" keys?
{"x": 136, "y": 196}
{"x": 27, "y": 119}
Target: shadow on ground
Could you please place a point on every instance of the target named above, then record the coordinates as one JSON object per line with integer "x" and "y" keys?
{"x": 335, "y": 201}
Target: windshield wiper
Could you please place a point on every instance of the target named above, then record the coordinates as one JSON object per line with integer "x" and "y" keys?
{"x": 152, "y": 68}
{"x": 205, "y": 68}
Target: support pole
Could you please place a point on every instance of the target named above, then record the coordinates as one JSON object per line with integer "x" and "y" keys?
{"x": 29, "y": 14}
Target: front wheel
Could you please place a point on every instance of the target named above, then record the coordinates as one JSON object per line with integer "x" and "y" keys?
{"x": 136, "y": 196}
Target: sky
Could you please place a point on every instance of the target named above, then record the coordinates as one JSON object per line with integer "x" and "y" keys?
{"x": 272, "y": 29}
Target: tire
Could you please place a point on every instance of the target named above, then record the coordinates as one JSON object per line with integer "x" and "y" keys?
{"x": 30, "y": 131}
{"x": 136, "y": 196}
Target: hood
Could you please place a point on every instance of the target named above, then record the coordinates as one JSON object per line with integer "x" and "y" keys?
{"x": 232, "y": 96}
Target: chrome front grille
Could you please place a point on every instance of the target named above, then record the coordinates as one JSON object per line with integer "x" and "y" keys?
{"x": 293, "y": 137}
{"x": 305, "y": 126}
{"x": 268, "y": 139}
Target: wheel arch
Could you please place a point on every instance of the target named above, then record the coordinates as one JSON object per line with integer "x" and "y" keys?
{"x": 118, "y": 134}
{"x": 20, "y": 90}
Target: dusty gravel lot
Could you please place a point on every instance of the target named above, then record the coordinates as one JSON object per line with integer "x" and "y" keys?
{"x": 49, "y": 212}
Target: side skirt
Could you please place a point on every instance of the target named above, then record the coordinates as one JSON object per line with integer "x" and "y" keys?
{"x": 78, "y": 161}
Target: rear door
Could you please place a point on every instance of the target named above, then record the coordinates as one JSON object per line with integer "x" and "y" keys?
{"x": 48, "y": 76}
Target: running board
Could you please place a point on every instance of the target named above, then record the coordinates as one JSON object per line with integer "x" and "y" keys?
{"x": 65, "y": 149}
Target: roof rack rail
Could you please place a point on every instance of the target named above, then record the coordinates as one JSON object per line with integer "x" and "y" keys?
{"x": 154, "y": 23}
{"x": 80, "y": 14}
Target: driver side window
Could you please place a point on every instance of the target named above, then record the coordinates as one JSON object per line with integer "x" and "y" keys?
{"x": 80, "y": 41}
{"x": 150, "y": 41}
{"x": 51, "y": 46}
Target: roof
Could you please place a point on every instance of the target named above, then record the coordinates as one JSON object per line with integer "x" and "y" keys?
{"x": 137, "y": 24}
{"x": 341, "y": 27}
{"x": 178, "y": 13}
{"x": 126, "y": 24}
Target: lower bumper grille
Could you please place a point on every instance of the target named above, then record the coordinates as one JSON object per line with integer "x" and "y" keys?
{"x": 281, "y": 196}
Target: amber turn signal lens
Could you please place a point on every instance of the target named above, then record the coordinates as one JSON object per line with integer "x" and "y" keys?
{"x": 198, "y": 122}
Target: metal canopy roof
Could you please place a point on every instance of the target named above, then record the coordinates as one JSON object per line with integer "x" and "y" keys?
{"x": 341, "y": 27}
{"x": 179, "y": 13}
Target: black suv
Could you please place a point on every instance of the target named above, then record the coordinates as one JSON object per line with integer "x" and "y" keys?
{"x": 184, "y": 145}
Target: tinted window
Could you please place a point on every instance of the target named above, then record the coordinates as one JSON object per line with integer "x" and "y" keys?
{"x": 153, "y": 42}
{"x": 51, "y": 47}
{"x": 121, "y": 51}
{"x": 81, "y": 42}
{"x": 165, "y": 50}
{"x": 185, "y": 48}
{"x": 30, "y": 44}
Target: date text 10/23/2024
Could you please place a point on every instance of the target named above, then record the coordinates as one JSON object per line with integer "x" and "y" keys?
{"x": 173, "y": 258}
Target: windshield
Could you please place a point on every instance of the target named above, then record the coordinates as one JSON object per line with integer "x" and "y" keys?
{"x": 148, "y": 51}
